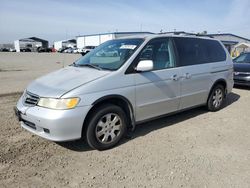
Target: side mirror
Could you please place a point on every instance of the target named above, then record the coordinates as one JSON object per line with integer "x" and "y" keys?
{"x": 145, "y": 65}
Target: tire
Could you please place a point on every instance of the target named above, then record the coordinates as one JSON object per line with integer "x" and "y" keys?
{"x": 106, "y": 127}
{"x": 216, "y": 98}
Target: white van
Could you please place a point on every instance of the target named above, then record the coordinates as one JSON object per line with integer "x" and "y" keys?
{"x": 102, "y": 95}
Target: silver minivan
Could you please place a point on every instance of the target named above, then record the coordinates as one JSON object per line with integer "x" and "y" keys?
{"x": 124, "y": 82}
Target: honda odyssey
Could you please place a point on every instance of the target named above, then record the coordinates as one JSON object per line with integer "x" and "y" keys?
{"x": 101, "y": 96}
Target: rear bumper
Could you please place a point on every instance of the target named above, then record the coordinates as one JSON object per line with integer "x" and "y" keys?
{"x": 55, "y": 125}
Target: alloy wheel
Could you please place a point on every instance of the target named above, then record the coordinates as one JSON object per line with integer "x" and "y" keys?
{"x": 217, "y": 98}
{"x": 108, "y": 128}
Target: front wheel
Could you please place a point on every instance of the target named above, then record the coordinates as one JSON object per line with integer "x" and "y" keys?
{"x": 216, "y": 98}
{"x": 107, "y": 125}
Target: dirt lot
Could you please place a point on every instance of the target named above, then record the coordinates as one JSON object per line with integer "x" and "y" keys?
{"x": 193, "y": 149}
{"x": 18, "y": 69}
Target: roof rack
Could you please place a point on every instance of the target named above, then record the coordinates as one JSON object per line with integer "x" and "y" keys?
{"x": 183, "y": 33}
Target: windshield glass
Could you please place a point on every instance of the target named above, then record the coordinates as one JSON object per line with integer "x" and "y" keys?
{"x": 243, "y": 58}
{"x": 110, "y": 55}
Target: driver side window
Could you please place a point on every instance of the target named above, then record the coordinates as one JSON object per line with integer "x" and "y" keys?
{"x": 160, "y": 51}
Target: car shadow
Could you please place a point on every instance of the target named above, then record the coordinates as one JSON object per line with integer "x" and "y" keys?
{"x": 145, "y": 128}
{"x": 76, "y": 145}
{"x": 231, "y": 98}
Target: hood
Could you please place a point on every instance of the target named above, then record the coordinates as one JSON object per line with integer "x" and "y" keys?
{"x": 241, "y": 67}
{"x": 64, "y": 80}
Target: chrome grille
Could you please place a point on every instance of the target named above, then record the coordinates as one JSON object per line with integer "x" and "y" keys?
{"x": 30, "y": 99}
{"x": 241, "y": 73}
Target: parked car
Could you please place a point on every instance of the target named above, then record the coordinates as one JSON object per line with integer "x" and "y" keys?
{"x": 242, "y": 69}
{"x": 108, "y": 53}
{"x": 42, "y": 49}
{"x": 76, "y": 50}
{"x": 25, "y": 50}
{"x": 69, "y": 50}
{"x": 64, "y": 50}
{"x": 80, "y": 50}
{"x": 87, "y": 49}
{"x": 4, "y": 50}
{"x": 101, "y": 98}
{"x": 61, "y": 50}
{"x": 53, "y": 49}
{"x": 12, "y": 50}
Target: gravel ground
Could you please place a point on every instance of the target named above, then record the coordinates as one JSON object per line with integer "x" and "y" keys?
{"x": 195, "y": 148}
{"x": 18, "y": 69}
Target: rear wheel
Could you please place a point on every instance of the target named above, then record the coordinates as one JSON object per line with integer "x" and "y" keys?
{"x": 216, "y": 98}
{"x": 107, "y": 125}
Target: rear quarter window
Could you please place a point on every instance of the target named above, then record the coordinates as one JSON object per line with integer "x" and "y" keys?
{"x": 193, "y": 51}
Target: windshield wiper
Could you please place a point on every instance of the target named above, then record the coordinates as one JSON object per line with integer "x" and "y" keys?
{"x": 108, "y": 69}
{"x": 90, "y": 65}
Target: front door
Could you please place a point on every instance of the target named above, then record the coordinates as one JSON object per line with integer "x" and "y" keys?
{"x": 157, "y": 91}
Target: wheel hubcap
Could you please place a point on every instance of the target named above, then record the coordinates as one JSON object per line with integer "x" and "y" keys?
{"x": 217, "y": 98}
{"x": 108, "y": 128}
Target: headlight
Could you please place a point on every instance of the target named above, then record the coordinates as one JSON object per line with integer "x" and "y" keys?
{"x": 58, "y": 104}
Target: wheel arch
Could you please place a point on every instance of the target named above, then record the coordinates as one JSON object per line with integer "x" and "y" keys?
{"x": 118, "y": 100}
{"x": 220, "y": 81}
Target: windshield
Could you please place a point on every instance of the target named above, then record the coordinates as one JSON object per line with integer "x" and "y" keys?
{"x": 243, "y": 58}
{"x": 110, "y": 55}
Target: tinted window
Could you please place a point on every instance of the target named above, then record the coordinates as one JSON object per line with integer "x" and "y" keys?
{"x": 160, "y": 51}
{"x": 194, "y": 51}
{"x": 243, "y": 58}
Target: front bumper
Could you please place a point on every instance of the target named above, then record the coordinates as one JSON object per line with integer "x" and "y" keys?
{"x": 55, "y": 125}
{"x": 242, "y": 80}
{"x": 241, "y": 83}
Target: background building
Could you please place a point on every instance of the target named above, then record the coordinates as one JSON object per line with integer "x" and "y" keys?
{"x": 234, "y": 43}
{"x": 7, "y": 45}
{"x": 231, "y": 41}
{"x": 30, "y": 44}
{"x": 97, "y": 39}
{"x": 65, "y": 43}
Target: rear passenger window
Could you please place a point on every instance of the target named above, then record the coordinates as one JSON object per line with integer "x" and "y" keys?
{"x": 193, "y": 51}
{"x": 215, "y": 51}
{"x": 160, "y": 51}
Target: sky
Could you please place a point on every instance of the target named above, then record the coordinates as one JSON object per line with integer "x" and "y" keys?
{"x": 63, "y": 19}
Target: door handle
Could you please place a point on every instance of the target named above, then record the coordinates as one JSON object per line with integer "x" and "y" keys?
{"x": 187, "y": 76}
{"x": 174, "y": 77}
